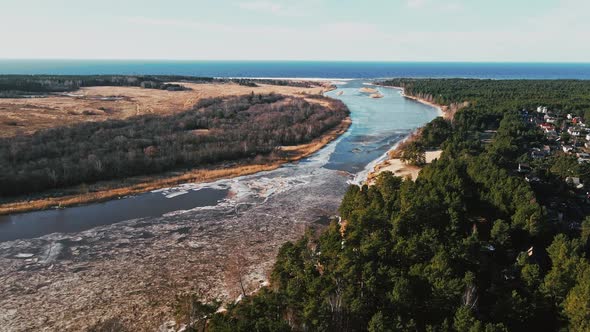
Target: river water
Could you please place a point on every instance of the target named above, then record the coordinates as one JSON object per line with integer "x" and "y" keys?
{"x": 377, "y": 124}
{"x": 61, "y": 269}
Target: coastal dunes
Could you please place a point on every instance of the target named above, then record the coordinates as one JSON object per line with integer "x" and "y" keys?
{"x": 396, "y": 166}
{"x": 100, "y": 103}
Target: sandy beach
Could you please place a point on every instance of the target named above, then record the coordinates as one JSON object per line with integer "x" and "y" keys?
{"x": 399, "y": 168}
{"x": 392, "y": 163}
{"x": 368, "y": 90}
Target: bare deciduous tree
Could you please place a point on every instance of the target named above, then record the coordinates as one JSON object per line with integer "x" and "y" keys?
{"x": 237, "y": 269}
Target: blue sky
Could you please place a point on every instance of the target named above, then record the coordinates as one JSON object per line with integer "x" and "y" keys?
{"x": 385, "y": 30}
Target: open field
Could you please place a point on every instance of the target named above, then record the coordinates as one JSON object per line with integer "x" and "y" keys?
{"x": 27, "y": 115}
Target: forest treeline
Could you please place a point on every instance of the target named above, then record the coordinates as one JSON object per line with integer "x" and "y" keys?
{"x": 491, "y": 98}
{"x": 215, "y": 130}
{"x": 466, "y": 247}
{"x": 26, "y": 85}
{"x": 23, "y": 85}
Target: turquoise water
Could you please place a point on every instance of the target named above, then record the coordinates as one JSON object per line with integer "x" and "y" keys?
{"x": 302, "y": 69}
{"x": 377, "y": 124}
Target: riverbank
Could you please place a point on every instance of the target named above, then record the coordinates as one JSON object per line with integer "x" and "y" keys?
{"x": 114, "y": 189}
{"x": 442, "y": 109}
{"x": 392, "y": 163}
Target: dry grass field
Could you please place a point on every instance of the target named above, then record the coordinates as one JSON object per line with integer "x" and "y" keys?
{"x": 103, "y": 103}
{"x": 27, "y": 115}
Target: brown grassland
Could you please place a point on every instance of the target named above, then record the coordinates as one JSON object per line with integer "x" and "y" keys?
{"x": 27, "y": 115}
{"x": 55, "y": 111}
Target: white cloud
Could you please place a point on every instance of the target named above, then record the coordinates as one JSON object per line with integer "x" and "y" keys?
{"x": 556, "y": 34}
{"x": 264, "y": 6}
{"x": 208, "y": 27}
{"x": 415, "y": 3}
{"x": 452, "y": 7}
{"x": 436, "y": 5}
{"x": 271, "y": 7}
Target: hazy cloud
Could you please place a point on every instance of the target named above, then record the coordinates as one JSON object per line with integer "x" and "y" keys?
{"x": 415, "y": 3}
{"x": 439, "y": 5}
{"x": 452, "y": 7}
{"x": 270, "y": 7}
{"x": 464, "y": 32}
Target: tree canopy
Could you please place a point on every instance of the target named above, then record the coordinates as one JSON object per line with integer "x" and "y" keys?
{"x": 215, "y": 130}
{"x": 466, "y": 247}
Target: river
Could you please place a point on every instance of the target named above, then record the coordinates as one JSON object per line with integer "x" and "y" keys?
{"x": 99, "y": 259}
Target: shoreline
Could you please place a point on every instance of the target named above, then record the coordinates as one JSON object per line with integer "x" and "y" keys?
{"x": 442, "y": 109}
{"x": 392, "y": 163}
{"x": 108, "y": 190}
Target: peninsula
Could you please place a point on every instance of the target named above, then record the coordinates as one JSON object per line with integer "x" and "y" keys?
{"x": 157, "y": 134}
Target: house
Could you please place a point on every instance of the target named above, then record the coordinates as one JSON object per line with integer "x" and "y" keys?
{"x": 542, "y": 109}
{"x": 588, "y": 137}
{"x": 574, "y": 131}
{"x": 583, "y": 157}
{"x": 532, "y": 179}
{"x": 567, "y": 148}
{"x": 524, "y": 168}
{"x": 570, "y": 116}
{"x": 587, "y": 145}
{"x": 547, "y": 149}
{"x": 577, "y": 120}
{"x": 537, "y": 153}
{"x": 549, "y": 118}
{"x": 574, "y": 182}
{"x": 551, "y": 134}
{"x": 547, "y": 126}
{"x": 550, "y": 131}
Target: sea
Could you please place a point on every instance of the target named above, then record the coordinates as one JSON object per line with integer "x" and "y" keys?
{"x": 301, "y": 69}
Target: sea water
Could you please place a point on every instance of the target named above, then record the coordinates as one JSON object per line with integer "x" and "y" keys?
{"x": 301, "y": 69}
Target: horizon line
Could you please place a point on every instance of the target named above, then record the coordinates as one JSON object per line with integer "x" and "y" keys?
{"x": 301, "y": 61}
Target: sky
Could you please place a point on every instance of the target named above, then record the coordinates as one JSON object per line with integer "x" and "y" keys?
{"x": 341, "y": 30}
